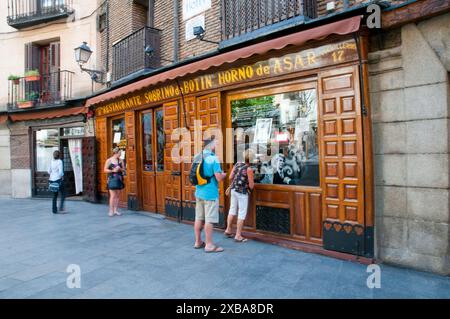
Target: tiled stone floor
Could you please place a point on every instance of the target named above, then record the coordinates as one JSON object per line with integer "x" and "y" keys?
{"x": 143, "y": 256}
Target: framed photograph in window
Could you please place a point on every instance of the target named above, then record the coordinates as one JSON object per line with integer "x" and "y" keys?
{"x": 263, "y": 128}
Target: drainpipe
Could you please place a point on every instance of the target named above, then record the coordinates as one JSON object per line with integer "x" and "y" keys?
{"x": 151, "y": 13}
{"x": 176, "y": 27}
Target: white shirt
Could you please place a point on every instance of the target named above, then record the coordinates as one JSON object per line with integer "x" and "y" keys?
{"x": 55, "y": 170}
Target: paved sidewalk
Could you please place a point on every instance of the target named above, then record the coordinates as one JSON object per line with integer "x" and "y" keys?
{"x": 139, "y": 256}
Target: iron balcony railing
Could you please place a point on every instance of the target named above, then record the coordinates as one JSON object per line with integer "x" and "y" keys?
{"x": 138, "y": 51}
{"x": 240, "y": 17}
{"x": 25, "y": 13}
{"x": 46, "y": 90}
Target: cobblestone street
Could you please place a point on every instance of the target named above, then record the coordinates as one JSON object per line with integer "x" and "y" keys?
{"x": 146, "y": 256}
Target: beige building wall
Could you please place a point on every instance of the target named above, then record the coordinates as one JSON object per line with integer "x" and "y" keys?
{"x": 15, "y": 171}
{"x": 72, "y": 31}
{"x": 409, "y": 85}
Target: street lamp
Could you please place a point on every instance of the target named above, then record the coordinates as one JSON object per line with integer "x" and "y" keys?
{"x": 82, "y": 55}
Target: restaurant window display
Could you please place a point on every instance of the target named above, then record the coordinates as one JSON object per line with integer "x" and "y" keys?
{"x": 281, "y": 129}
{"x": 119, "y": 137}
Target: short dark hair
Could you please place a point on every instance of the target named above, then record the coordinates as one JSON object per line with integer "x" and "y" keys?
{"x": 209, "y": 140}
{"x": 56, "y": 154}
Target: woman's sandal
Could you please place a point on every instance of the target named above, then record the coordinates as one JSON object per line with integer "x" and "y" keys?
{"x": 118, "y": 214}
{"x": 202, "y": 245}
{"x": 111, "y": 214}
{"x": 228, "y": 235}
{"x": 243, "y": 240}
{"x": 215, "y": 250}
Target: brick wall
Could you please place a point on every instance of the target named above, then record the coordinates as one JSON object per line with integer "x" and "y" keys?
{"x": 125, "y": 17}
{"x": 20, "y": 146}
{"x": 213, "y": 32}
{"x": 164, "y": 20}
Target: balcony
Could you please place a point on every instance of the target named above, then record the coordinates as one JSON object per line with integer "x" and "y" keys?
{"x": 26, "y": 13}
{"x": 129, "y": 54}
{"x": 52, "y": 89}
{"x": 243, "y": 20}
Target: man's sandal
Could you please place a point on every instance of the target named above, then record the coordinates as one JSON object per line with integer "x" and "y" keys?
{"x": 243, "y": 240}
{"x": 202, "y": 245}
{"x": 215, "y": 250}
{"x": 228, "y": 235}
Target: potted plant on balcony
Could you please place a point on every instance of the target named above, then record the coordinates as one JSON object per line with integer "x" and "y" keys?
{"x": 29, "y": 101}
{"x": 14, "y": 78}
{"x": 32, "y": 75}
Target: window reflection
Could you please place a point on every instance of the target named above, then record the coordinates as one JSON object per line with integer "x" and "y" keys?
{"x": 282, "y": 130}
{"x": 147, "y": 141}
{"x": 160, "y": 139}
{"x": 47, "y": 141}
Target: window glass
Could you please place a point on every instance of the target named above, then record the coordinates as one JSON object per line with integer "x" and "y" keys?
{"x": 160, "y": 139}
{"x": 47, "y": 141}
{"x": 147, "y": 141}
{"x": 119, "y": 137}
{"x": 281, "y": 129}
{"x": 73, "y": 131}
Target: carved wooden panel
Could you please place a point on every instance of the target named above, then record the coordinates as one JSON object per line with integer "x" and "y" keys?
{"x": 307, "y": 216}
{"x": 130, "y": 125}
{"x": 341, "y": 136}
{"x": 172, "y": 181}
{"x": 102, "y": 152}
{"x": 149, "y": 192}
{"x": 209, "y": 112}
{"x": 187, "y": 120}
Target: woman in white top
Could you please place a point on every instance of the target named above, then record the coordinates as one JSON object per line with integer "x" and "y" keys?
{"x": 56, "y": 172}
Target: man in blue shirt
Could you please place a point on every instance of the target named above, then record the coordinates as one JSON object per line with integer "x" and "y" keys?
{"x": 207, "y": 198}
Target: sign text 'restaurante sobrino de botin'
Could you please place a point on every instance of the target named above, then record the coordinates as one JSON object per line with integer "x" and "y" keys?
{"x": 294, "y": 62}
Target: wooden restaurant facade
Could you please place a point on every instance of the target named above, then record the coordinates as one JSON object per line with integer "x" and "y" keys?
{"x": 306, "y": 91}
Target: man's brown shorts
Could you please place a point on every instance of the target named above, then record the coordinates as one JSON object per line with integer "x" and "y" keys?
{"x": 207, "y": 210}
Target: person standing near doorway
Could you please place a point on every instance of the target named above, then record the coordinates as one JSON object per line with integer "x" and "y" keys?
{"x": 207, "y": 198}
{"x": 56, "y": 182}
{"x": 114, "y": 167}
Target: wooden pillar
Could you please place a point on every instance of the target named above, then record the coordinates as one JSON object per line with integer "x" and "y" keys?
{"x": 130, "y": 127}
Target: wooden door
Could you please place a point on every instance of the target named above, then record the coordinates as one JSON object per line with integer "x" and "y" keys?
{"x": 188, "y": 114}
{"x": 160, "y": 142}
{"x": 118, "y": 138}
{"x": 89, "y": 164}
{"x": 148, "y": 181}
{"x": 172, "y": 174}
{"x": 208, "y": 111}
{"x": 343, "y": 161}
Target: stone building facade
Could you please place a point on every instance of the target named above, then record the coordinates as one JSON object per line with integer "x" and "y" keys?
{"x": 410, "y": 97}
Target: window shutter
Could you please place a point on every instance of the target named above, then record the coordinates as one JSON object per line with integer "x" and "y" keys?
{"x": 32, "y": 57}
{"x": 54, "y": 78}
{"x": 55, "y": 56}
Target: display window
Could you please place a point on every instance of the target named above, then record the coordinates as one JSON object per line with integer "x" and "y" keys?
{"x": 281, "y": 129}
{"x": 119, "y": 138}
{"x": 47, "y": 141}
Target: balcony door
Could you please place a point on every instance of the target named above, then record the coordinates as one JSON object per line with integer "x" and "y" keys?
{"x": 152, "y": 160}
{"x": 46, "y": 58}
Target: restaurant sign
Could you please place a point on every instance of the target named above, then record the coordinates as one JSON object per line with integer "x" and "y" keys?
{"x": 335, "y": 53}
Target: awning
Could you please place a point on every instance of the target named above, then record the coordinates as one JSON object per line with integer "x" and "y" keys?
{"x": 342, "y": 27}
{"x": 47, "y": 114}
{"x": 3, "y": 118}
